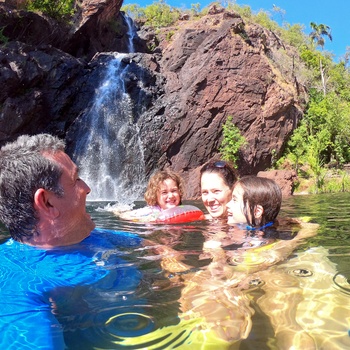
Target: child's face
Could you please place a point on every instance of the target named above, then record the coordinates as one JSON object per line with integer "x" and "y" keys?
{"x": 235, "y": 207}
{"x": 168, "y": 195}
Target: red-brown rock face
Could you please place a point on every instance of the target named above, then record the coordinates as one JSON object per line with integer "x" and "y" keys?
{"x": 214, "y": 68}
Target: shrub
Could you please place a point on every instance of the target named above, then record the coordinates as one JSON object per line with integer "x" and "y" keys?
{"x": 232, "y": 141}
{"x": 58, "y": 9}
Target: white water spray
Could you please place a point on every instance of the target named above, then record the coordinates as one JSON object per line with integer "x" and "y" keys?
{"x": 109, "y": 153}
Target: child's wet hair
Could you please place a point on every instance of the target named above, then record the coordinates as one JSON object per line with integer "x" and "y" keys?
{"x": 260, "y": 191}
{"x": 155, "y": 181}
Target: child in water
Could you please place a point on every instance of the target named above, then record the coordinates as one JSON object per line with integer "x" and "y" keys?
{"x": 253, "y": 208}
{"x": 164, "y": 191}
{"x": 257, "y": 239}
{"x": 256, "y": 201}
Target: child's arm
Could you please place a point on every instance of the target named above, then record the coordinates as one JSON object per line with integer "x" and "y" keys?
{"x": 258, "y": 259}
{"x": 146, "y": 214}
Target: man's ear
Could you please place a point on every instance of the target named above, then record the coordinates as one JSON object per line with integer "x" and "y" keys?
{"x": 42, "y": 203}
{"x": 258, "y": 211}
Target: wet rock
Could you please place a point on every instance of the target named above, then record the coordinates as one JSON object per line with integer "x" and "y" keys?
{"x": 40, "y": 84}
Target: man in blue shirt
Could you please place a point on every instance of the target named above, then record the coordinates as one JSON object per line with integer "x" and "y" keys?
{"x": 54, "y": 245}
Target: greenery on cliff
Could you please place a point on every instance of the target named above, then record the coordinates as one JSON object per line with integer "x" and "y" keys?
{"x": 320, "y": 146}
{"x": 58, "y": 9}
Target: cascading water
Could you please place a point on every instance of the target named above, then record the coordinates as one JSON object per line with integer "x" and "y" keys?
{"x": 131, "y": 33}
{"x": 106, "y": 145}
{"x": 109, "y": 154}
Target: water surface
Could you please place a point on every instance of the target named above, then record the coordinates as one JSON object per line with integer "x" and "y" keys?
{"x": 305, "y": 298}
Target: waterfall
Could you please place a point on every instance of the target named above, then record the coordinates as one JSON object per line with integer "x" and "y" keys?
{"x": 106, "y": 145}
{"x": 131, "y": 33}
{"x": 107, "y": 148}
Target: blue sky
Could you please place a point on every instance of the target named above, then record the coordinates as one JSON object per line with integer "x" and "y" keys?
{"x": 334, "y": 13}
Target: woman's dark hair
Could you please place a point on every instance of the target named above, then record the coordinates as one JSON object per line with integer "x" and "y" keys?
{"x": 260, "y": 191}
{"x": 223, "y": 169}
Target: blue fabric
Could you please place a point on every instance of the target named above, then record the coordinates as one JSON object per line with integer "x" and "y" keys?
{"x": 31, "y": 281}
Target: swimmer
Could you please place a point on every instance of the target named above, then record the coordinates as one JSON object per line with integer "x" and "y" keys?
{"x": 256, "y": 201}
{"x": 254, "y": 205}
{"x": 216, "y": 181}
{"x": 43, "y": 206}
{"x": 254, "y": 242}
{"x": 164, "y": 191}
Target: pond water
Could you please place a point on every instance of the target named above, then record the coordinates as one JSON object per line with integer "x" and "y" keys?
{"x": 301, "y": 301}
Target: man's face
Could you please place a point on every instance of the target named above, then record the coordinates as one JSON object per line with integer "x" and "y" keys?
{"x": 72, "y": 223}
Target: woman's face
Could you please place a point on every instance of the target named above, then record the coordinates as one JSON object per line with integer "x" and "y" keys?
{"x": 168, "y": 195}
{"x": 235, "y": 207}
{"x": 215, "y": 194}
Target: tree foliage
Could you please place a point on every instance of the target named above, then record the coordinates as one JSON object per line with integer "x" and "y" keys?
{"x": 159, "y": 14}
{"x": 232, "y": 142}
{"x": 58, "y": 9}
{"x": 319, "y": 31}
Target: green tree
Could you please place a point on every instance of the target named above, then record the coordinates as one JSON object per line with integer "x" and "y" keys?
{"x": 160, "y": 14}
{"x": 134, "y": 11}
{"x": 297, "y": 146}
{"x": 195, "y": 9}
{"x": 319, "y": 31}
{"x": 294, "y": 35}
{"x": 232, "y": 142}
{"x": 317, "y": 144}
{"x": 58, "y": 9}
{"x": 279, "y": 10}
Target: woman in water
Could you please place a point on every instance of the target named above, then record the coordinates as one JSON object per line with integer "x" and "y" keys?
{"x": 216, "y": 179}
{"x": 164, "y": 191}
{"x": 252, "y": 211}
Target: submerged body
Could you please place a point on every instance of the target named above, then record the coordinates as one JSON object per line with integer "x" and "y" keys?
{"x": 36, "y": 281}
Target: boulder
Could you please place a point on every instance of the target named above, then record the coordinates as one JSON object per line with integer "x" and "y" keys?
{"x": 40, "y": 85}
{"x": 286, "y": 179}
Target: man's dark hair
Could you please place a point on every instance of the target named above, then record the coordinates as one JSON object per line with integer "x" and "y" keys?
{"x": 24, "y": 168}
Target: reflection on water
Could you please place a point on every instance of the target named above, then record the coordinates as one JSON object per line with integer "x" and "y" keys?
{"x": 303, "y": 301}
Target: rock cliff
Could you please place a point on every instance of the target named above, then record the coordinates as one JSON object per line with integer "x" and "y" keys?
{"x": 214, "y": 68}
{"x": 200, "y": 73}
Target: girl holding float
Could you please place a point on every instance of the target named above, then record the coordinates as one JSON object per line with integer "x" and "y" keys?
{"x": 164, "y": 202}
